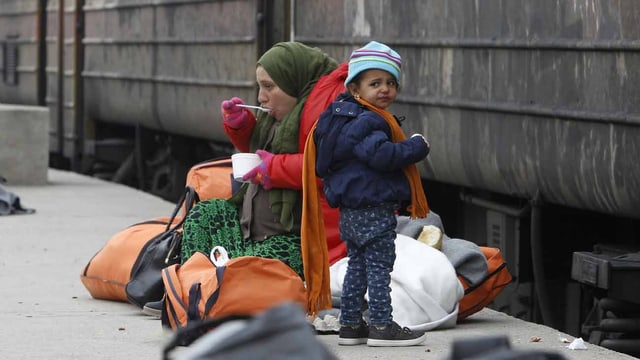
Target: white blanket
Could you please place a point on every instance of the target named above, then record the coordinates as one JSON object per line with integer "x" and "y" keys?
{"x": 425, "y": 290}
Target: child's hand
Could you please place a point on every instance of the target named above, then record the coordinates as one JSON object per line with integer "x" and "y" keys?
{"x": 234, "y": 116}
{"x": 423, "y": 139}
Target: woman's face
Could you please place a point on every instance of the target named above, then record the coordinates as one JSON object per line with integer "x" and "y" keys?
{"x": 376, "y": 86}
{"x": 271, "y": 96}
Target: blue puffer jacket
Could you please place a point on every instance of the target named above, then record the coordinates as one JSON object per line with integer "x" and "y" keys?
{"x": 356, "y": 159}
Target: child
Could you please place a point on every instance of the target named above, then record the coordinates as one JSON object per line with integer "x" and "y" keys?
{"x": 368, "y": 169}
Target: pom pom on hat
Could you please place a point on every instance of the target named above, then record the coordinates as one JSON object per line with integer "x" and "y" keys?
{"x": 374, "y": 55}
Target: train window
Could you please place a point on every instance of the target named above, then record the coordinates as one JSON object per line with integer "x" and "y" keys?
{"x": 10, "y": 63}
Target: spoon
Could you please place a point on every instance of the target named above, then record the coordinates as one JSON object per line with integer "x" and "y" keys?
{"x": 254, "y": 107}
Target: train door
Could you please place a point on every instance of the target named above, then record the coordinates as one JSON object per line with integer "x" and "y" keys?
{"x": 64, "y": 26}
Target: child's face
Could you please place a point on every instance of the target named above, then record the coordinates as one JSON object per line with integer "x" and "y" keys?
{"x": 377, "y": 87}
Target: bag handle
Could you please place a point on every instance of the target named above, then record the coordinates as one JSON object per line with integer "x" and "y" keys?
{"x": 211, "y": 301}
{"x": 195, "y": 294}
{"x": 189, "y": 197}
{"x": 173, "y": 294}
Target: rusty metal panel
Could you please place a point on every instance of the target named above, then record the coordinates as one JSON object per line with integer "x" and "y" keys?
{"x": 60, "y": 79}
{"x": 516, "y": 96}
{"x": 18, "y": 52}
{"x": 177, "y": 60}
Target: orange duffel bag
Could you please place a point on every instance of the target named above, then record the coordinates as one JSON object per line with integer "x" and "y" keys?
{"x": 109, "y": 270}
{"x": 482, "y": 294}
{"x": 211, "y": 179}
{"x": 246, "y": 285}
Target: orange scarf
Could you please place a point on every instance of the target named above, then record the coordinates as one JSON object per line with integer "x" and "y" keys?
{"x": 315, "y": 255}
{"x": 419, "y": 207}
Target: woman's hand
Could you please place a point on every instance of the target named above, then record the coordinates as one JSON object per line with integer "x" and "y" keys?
{"x": 234, "y": 116}
{"x": 260, "y": 173}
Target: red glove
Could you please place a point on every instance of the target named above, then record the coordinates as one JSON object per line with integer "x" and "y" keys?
{"x": 234, "y": 116}
{"x": 260, "y": 173}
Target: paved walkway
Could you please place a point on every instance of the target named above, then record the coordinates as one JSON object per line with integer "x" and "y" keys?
{"x": 46, "y": 313}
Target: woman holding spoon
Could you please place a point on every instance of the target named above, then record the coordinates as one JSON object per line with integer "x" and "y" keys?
{"x": 264, "y": 217}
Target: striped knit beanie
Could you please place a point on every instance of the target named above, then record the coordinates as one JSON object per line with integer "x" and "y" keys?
{"x": 374, "y": 55}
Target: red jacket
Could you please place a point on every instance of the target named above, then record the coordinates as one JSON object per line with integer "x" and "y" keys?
{"x": 286, "y": 169}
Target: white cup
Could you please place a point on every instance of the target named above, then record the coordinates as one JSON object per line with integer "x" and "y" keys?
{"x": 242, "y": 163}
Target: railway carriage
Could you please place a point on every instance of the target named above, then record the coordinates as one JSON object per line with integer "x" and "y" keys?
{"x": 531, "y": 108}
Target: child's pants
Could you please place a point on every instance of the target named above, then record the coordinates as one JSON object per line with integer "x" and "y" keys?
{"x": 370, "y": 237}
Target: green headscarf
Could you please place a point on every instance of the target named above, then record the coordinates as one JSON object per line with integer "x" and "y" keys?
{"x": 295, "y": 68}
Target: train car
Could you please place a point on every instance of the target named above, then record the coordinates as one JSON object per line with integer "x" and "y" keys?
{"x": 134, "y": 87}
{"x": 530, "y": 107}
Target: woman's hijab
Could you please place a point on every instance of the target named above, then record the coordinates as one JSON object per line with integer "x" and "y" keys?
{"x": 295, "y": 68}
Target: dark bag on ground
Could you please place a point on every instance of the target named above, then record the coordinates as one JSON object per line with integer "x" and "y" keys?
{"x": 145, "y": 284}
{"x": 280, "y": 332}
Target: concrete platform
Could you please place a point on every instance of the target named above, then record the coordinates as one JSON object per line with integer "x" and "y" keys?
{"x": 46, "y": 313}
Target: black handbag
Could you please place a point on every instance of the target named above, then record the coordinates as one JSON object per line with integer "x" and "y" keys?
{"x": 163, "y": 250}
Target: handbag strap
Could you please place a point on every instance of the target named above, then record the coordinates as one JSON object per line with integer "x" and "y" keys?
{"x": 188, "y": 198}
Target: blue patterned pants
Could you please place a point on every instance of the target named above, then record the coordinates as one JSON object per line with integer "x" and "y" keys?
{"x": 370, "y": 237}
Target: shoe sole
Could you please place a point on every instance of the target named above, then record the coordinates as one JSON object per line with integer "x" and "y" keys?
{"x": 349, "y": 341}
{"x": 152, "y": 312}
{"x": 391, "y": 343}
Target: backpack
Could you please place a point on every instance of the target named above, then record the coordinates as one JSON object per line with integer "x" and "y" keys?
{"x": 480, "y": 295}
{"x": 245, "y": 285}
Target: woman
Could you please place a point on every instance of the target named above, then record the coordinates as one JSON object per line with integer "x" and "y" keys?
{"x": 264, "y": 217}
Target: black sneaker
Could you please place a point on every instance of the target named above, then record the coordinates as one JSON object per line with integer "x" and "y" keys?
{"x": 394, "y": 335}
{"x": 350, "y": 335}
{"x": 153, "y": 308}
